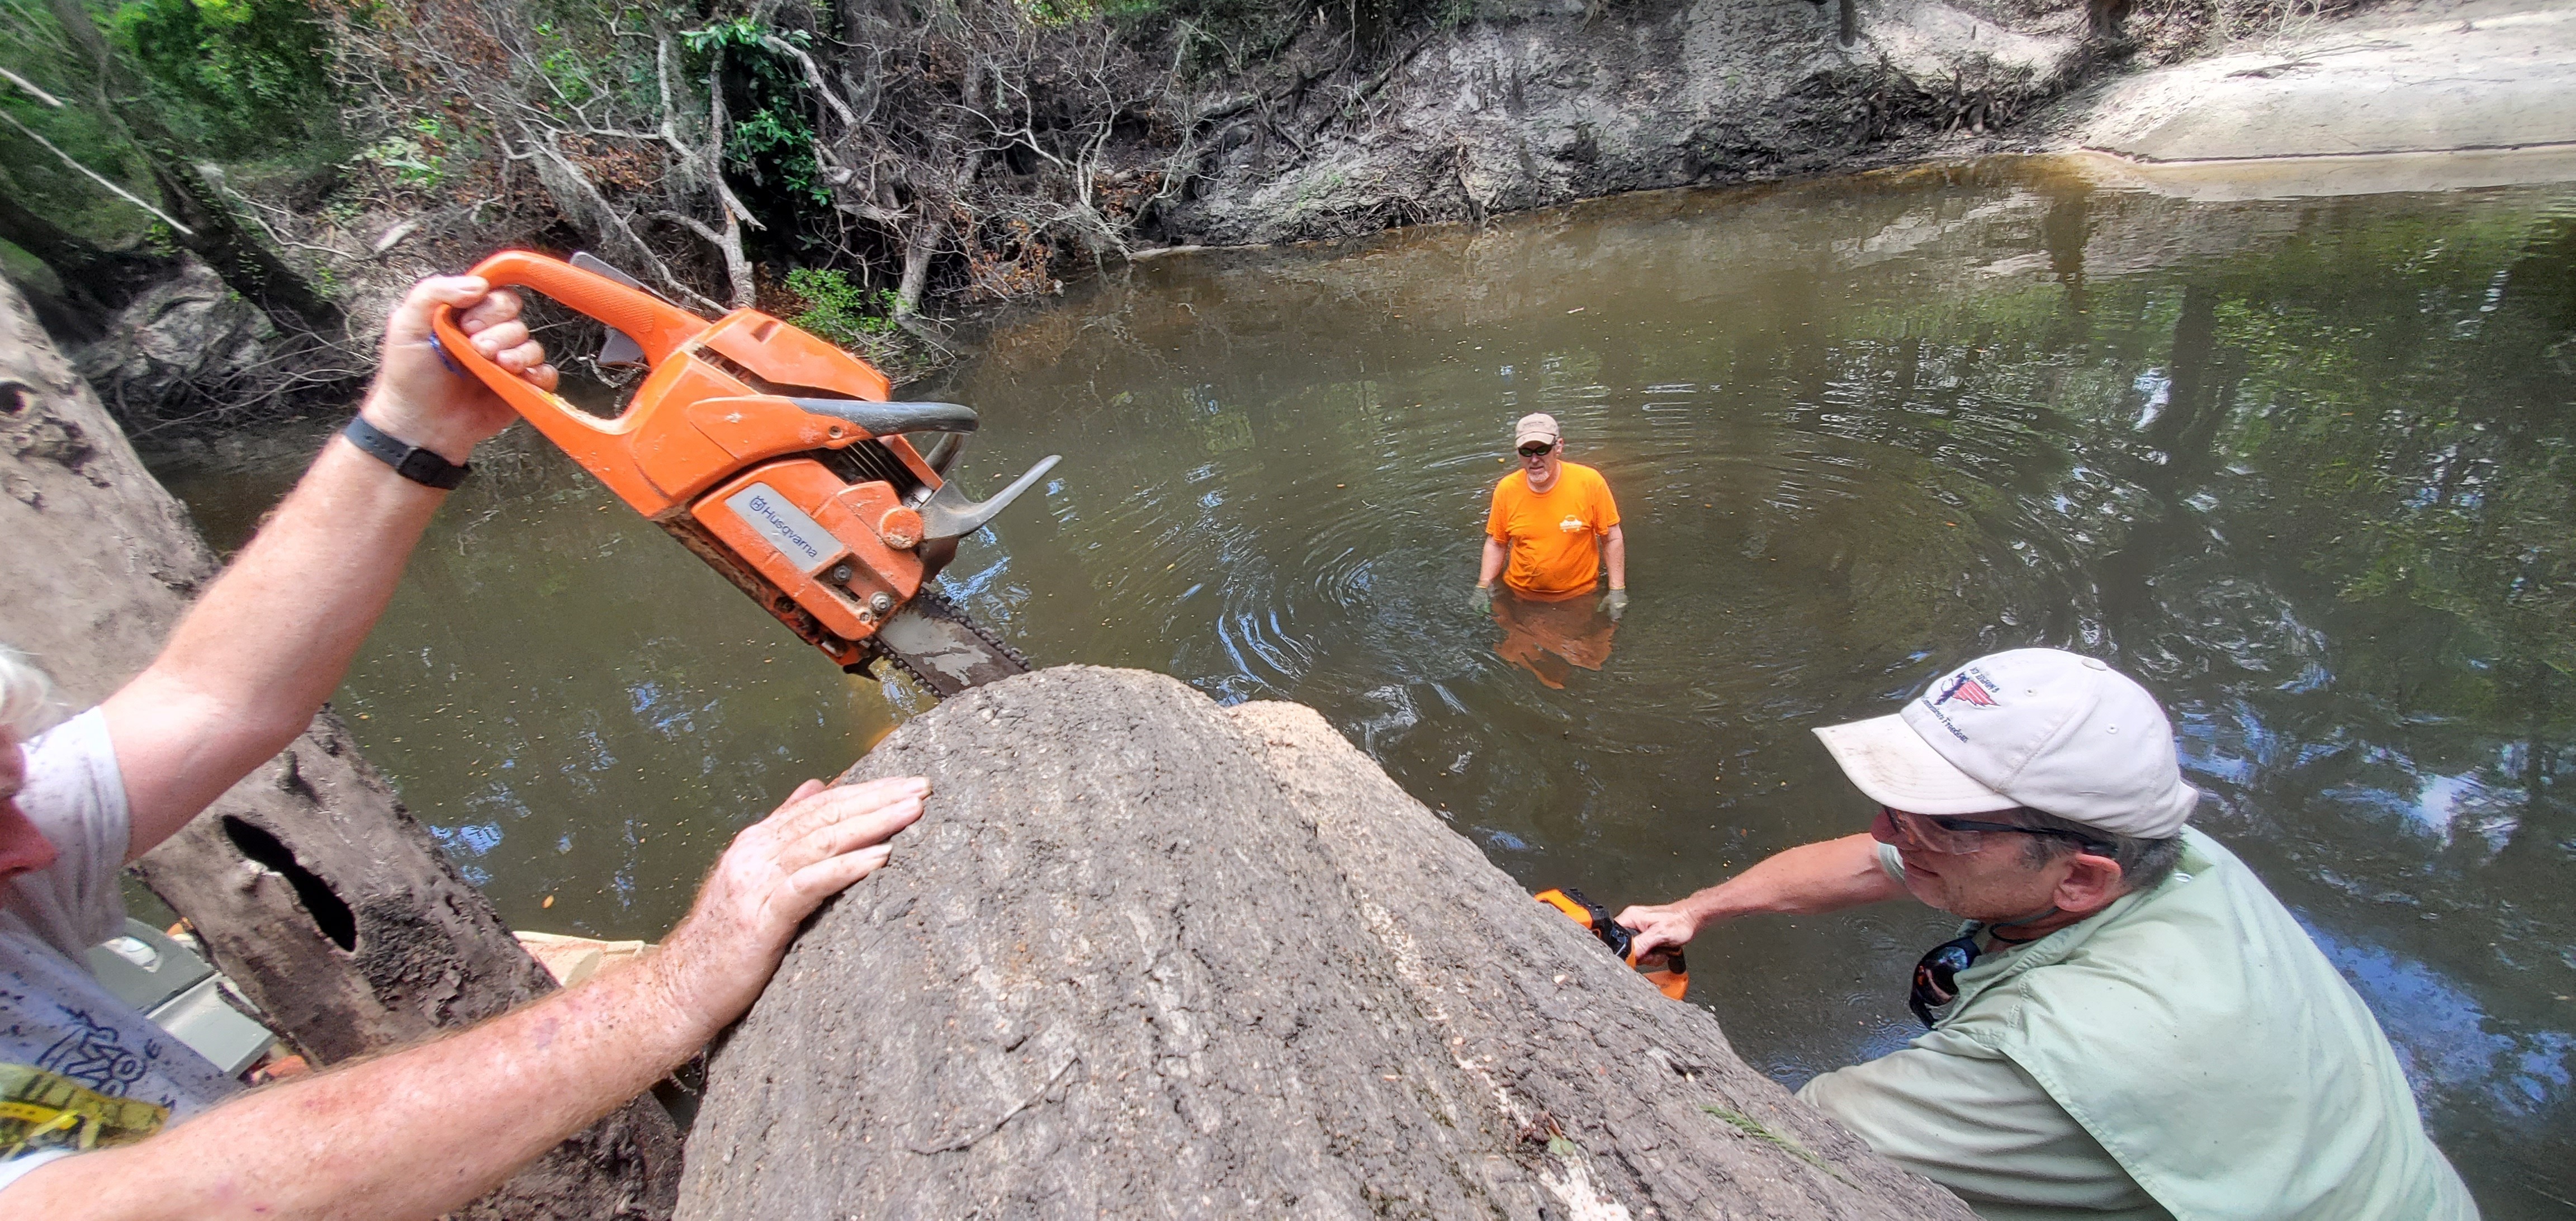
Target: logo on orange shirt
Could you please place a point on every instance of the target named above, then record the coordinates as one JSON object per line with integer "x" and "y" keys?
{"x": 1571, "y": 524}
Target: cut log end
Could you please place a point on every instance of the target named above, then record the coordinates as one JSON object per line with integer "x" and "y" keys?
{"x": 1148, "y": 957}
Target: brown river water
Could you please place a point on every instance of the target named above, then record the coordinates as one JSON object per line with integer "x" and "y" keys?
{"x": 2302, "y": 466}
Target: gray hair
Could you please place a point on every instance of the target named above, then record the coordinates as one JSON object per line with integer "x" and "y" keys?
{"x": 27, "y": 702}
{"x": 2144, "y": 863}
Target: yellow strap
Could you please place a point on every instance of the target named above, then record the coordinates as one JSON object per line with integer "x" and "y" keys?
{"x": 43, "y": 1110}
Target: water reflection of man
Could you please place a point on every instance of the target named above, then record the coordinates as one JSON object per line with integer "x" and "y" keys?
{"x": 417, "y": 1132}
{"x": 1549, "y": 639}
{"x": 2130, "y": 1025}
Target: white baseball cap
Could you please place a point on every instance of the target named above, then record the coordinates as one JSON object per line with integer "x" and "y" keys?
{"x": 2044, "y": 728}
{"x": 1536, "y": 426}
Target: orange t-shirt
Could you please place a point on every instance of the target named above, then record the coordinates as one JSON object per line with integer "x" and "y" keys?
{"x": 1552, "y": 537}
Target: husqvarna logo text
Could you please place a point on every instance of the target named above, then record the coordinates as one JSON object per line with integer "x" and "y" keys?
{"x": 800, "y": 538}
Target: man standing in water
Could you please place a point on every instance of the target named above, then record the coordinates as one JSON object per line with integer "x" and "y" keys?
{"x": 1552, "y": 528}
{"x": 2130, "y": 1025}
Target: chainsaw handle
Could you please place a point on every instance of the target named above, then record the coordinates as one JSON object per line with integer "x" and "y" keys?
{"x": 655, "y": 325}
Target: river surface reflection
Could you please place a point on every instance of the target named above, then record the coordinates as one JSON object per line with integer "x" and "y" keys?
{"x": 2301, "y": 466}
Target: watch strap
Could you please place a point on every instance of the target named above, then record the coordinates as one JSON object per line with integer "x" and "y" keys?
{"x": 408, "y": 460}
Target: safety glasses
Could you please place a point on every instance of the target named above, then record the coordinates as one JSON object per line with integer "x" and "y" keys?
{"x": 1536, "y": 451}
{"x": 1936, "y": 976}
{"x": 1956, "y": 835}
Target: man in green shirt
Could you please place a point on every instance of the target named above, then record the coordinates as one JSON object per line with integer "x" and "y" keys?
{"x": 2129, "y": 1025}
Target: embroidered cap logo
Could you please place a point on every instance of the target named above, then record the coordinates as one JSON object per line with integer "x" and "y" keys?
{"x": 1968, "y": 689}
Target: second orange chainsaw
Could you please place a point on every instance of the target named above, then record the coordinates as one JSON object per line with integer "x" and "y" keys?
{"x": 779, "y": 460}
{"x": 1666, "y": 969}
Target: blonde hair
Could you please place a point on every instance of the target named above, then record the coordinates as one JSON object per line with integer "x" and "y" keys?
{"x": 27, "y": 702}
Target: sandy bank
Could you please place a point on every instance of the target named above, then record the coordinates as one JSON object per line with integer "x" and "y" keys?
{"x": 2491, "y": 77}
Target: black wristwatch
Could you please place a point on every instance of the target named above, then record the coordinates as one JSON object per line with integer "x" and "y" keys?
{"x": 408, "y": 460}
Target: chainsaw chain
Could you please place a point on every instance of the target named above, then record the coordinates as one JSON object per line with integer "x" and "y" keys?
{"x": 937, "y": 606}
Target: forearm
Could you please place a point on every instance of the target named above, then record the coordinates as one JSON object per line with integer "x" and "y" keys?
{"x": 412, "y": 1134}
{"x": 276, "y": 631}
{"x": 1819, "y": 877}
{"x": 1496, "y": 554}
{"x": 252, "y": 661}
{"x": 271, "y": 637}
{"x": 1614, "y": 553}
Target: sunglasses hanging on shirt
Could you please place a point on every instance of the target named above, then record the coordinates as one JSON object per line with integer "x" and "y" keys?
{"x": 1936, "y": 974}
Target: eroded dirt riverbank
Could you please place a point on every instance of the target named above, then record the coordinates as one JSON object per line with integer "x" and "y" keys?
{"x": 1527, "y": 104}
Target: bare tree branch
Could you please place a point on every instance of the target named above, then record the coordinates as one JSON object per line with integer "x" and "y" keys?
{"x": 95, "y": 176}
{"x": 31, "y": 89}
{"x": 813, "y": 76}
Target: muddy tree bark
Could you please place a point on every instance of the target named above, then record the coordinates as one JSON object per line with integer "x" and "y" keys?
{"x": 1146, "y": 957}
{"x": 310, "y": 885}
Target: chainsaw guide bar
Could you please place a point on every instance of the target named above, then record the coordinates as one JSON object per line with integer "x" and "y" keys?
{"x": 780, "y": 461}
{"x": 943, "y": 648}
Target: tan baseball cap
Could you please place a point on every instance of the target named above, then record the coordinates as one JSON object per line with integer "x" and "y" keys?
{"x": 1536, "y": 426}
{"x": 2043, "y": 728}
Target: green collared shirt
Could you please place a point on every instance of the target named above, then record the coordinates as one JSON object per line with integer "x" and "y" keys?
{"x": 2186, "y": 1053}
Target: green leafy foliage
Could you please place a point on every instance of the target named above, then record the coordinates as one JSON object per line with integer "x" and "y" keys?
{"x": 243, "y": 76}
{"x": 838, "y": 310}
{"x": 566, "y": 64}
{"x": 245, "y": 84}
{"x": 773, "y": 142}
{"x": 1066, "y": 12}
{"x": 417, "y": 157}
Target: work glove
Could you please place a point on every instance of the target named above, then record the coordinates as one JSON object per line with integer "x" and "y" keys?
{"x": 1481, "y": 602}
{"x": 1616, "y": 603}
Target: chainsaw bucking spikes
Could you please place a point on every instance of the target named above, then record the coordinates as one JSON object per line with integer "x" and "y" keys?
{"x": 774, "y": 456}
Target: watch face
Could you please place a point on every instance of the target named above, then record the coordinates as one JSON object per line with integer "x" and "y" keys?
{"x": 422, "y": 466}
{"x": 409, "y": 461}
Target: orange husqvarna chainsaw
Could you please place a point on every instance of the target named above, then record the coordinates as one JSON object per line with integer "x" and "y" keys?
{"x": 1666, "y": 969}
{"x": 779, "y": 460}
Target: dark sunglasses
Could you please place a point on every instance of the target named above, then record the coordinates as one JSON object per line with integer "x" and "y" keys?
{"x": 1936, "y": 976}
{"x": 1536, "y": 451}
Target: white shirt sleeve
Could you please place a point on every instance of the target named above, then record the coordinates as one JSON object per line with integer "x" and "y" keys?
{"x": 76, "y": 797}
{"x": 1891, "y": 862}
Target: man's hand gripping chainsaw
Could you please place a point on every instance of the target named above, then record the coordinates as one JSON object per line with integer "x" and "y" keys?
{"x": 777, "y": 458}
{"x": 1666, "y": 969}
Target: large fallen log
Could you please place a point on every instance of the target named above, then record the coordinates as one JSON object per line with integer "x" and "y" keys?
{"x": 1146, "y": 957}
{"x": 312, "y": 887}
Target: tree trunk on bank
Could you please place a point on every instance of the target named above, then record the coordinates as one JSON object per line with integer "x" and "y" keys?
{"x": 313, "y": 889}
{"x": 96, "y": 282}
{"x": 1146, "y": 957}
{"x": 918, "y": 248}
